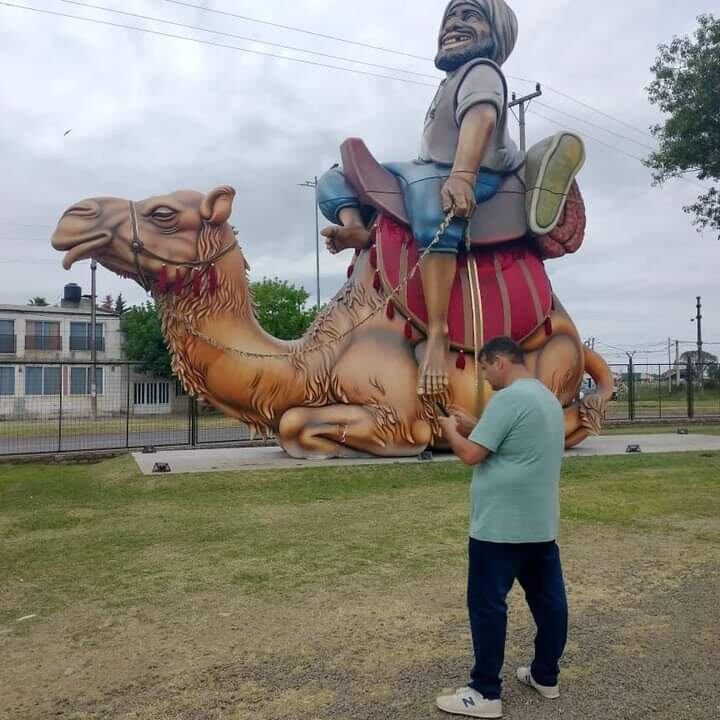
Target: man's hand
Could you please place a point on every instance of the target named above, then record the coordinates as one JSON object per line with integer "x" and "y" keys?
{"x": 449, "y": 425}
{"x": 458, "y": 195}
{"x": 465, "y": 422}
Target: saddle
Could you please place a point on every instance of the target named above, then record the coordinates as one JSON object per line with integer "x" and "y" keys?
{"x": 501, "y": 287}
{"x": 502, "y": 218}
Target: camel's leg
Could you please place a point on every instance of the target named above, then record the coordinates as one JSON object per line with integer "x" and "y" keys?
{"x": 346, "y": 431}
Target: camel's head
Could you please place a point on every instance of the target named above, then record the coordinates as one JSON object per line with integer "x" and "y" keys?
{"x": 137, "y": 239}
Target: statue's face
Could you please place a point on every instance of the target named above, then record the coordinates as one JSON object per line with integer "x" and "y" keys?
{"x": 464, "y": 36}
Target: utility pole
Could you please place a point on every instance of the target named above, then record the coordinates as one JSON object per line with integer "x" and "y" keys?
{"x": 314, "y": 184}
{"x": 93, "y": 337}
{"x": 677, "y": 363}
{"x": 698, "y": 319}
{"x": 631, "y": 385}
{"x": 669, "y": 366}
{"x": 521, "y": 103}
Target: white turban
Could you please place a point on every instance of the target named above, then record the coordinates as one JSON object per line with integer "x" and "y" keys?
{"x": 503, "y": 23}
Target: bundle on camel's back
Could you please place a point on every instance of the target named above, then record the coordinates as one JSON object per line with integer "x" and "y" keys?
{"x": 348, "y": 386}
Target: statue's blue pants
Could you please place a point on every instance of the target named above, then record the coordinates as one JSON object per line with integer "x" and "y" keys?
{"x": 421, "y": 185}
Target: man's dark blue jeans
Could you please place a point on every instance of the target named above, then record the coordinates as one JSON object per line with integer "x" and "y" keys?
{"x": 493, "y": 568}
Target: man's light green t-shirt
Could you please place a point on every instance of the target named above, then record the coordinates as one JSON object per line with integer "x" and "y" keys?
{"x": 515, "y": 492}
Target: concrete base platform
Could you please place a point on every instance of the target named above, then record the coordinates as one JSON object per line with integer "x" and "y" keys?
{"x": 274, "y": 458}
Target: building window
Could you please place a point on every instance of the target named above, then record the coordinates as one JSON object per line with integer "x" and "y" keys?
{"x": 80, "y": 380}
{"x": 42, "y": 380}
{"x": 81, "y": 333}
{"x": 180, "y": 391}
{"x": 152, "y": 393}
{"x": 42, "y": 335}
{"x": 7, "y": 336}
{"x": 7, "y": 380}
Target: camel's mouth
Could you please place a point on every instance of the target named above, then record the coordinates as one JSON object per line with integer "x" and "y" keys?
{"x": 80, "y": 248}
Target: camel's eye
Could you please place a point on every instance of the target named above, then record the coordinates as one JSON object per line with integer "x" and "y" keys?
{"x": 163, "y": 213}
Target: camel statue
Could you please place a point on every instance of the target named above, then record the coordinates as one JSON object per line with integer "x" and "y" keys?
{"x": 347, "y": 388}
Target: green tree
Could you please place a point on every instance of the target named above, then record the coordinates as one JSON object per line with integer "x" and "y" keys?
{"x": 280, "y": 308}
{"x": 692, "y": 356}
{"x": 107, "y": 303}
{"x": 120, "y": 304}
{"x": 38, "y": 301}
{"x": 144, "y": 341}
{"x": 687, "y": 89}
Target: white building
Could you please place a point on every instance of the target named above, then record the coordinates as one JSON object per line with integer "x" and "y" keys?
{"x": 45, "y": 364}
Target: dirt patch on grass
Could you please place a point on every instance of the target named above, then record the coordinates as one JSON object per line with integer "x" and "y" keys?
{"x": 643, "y": 642}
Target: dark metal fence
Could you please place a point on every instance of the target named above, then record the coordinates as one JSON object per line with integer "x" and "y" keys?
{"x": 48, "y": 407}
{"x": 664, "y": 392}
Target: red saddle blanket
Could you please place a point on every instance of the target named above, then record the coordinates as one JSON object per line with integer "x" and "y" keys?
{"x": 497, "y": 292}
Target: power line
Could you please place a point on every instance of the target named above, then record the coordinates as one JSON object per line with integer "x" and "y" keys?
{"x": 307, "y": 62}
{"x": 295, "y": 29}
{"x": 213, "y": 44}
{"x": 590, "y": 137}
{"x": 616, "y": 149}
{"x": 246, "y": 38}
{"x": 594, "y": 109}
{"x": 402, "y": 53}
{"x": 592, "y": 124}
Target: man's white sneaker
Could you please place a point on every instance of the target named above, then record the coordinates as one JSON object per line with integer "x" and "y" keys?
{"x": 551, "y": 692}
{"x": 467, "y": 701}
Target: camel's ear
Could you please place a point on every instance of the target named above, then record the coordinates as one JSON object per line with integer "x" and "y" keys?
{"x": 217, "y": 205}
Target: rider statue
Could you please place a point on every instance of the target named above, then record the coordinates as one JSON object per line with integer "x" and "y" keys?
{"x": 466, "y": 152}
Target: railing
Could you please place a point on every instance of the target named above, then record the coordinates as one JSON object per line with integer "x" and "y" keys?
{"x": 43, "y": 342}
{"x": 47, "y": 407}
{"x": 8, "y": 344}
{"x": 81, "y": 342}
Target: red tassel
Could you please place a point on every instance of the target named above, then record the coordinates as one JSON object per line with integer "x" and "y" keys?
{"x": 376, "y": 282}
{"x": 162, "y": 282}
{"x": 460, "y": 362}
{"x": 178, "y": 281}
{"x": 196, "y": 283}
{"x": 350, "y": 271}
{"x": 373, "y": 257}
{"x": 408, "y": 330}
{"x": 390, "y": 311}
{"x": 212, "y": 280}
{"x": 548, "y": 327}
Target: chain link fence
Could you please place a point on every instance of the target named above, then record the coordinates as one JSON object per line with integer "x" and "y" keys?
{"x": 50, "y": 407}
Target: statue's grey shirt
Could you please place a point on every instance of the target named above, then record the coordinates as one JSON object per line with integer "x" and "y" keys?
{"x": 478, "y": 81}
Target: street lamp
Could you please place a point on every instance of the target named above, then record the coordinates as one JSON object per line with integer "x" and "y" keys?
{"x": 314, "y": 184}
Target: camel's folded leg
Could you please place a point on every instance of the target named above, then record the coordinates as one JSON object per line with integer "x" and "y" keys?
{"x": 345, "y": 431}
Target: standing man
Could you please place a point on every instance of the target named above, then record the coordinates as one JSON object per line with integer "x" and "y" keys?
{"x": 516, "y": 451}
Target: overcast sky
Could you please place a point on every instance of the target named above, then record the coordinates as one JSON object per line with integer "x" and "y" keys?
{"x": 150, "y": 114}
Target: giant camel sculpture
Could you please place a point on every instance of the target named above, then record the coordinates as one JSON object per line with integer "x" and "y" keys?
{"x": 348, "y": 386}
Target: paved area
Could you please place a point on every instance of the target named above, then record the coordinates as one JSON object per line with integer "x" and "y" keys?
{"x": 273, "y": 458}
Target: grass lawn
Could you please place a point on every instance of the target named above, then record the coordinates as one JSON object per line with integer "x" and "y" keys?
{"x": 231, "y": 595}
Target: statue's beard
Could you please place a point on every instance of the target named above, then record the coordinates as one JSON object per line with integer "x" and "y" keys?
{"x": 449, "y": 60}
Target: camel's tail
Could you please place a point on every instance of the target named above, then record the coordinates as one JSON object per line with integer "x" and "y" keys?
{"x": 586, "y": 416}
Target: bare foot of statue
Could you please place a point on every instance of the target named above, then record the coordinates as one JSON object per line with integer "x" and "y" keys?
{"x": 339, "y": 238}
{"x": 433, "y": 373}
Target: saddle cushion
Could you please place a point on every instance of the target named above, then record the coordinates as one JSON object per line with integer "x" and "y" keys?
{"x": 502, "y": 291}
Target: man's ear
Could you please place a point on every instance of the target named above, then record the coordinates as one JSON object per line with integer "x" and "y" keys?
{"x": 216, "y": 206}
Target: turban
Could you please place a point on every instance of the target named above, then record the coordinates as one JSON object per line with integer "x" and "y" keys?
{"x": 503, "y": 24}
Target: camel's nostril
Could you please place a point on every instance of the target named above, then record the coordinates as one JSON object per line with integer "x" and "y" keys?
{"x": 86, "y": 209}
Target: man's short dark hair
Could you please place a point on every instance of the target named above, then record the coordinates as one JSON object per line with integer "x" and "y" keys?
{"x": 502, "y": 346}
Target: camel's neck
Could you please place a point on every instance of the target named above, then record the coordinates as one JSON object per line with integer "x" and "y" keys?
{"x": 219, "y": 349}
